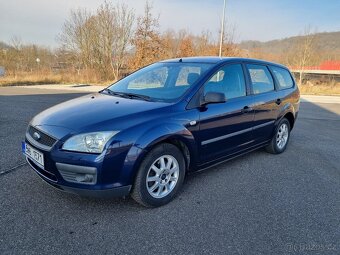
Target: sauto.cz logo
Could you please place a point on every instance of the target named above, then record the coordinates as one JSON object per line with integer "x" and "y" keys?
{"x": 299, "y": 247}
{"x": 36, "y": 136}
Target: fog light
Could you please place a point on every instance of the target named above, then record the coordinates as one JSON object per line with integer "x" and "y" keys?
{"x": 77, "y": 174}
{"x": 85, "y": 178}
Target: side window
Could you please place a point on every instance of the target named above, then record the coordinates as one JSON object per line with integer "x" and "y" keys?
{"x": 188, "y": 75}
{"x": 283, "y": 77}
{"x": 261, "y": 79}
{"x": 228, "y": 80}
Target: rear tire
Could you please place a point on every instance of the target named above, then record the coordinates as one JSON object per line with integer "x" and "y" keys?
{"x": 280, "y": 140}
{"x": 160, "y": 176}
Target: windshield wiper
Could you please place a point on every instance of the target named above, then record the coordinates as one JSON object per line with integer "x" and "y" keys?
{"x": 106, "y": 90}
{"x": 127, "y": 95}
{"x": 132, "y": 95}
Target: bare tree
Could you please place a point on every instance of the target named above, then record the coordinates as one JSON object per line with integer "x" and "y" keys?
{"x": 203, "y": 43}
{"x": 100, "y": 40}
{"x": 229, "y": 47}
{"x": 16, "y": 53}
{"x": 303, "y": 51}
{"x": 123, "y": 35}
{"x": 16, "y": 43}
{"x": 76, "y": 34}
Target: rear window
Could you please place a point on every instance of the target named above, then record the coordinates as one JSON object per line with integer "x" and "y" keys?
{"x": 283, "y": 77}
{"x": 261, "y": 79}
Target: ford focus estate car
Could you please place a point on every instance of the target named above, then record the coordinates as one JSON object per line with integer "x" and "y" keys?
{"x": 141, "y": 135}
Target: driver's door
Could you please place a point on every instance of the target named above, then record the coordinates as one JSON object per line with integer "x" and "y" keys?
{"x": 226, "y": 128}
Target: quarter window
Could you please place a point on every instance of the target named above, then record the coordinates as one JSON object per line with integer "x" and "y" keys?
{"x": 283, "y": 77}
{"x": 261, "y": 79}
{"x": 228, "y": 80}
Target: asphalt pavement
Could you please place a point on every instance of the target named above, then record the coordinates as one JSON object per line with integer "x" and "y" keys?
{"x": 256, "y": 204}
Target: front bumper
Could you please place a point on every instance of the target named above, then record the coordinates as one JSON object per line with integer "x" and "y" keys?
{"x": 93, "y": 175}
{"x": 97, "y": 193}
{"x": 104, "y": 193}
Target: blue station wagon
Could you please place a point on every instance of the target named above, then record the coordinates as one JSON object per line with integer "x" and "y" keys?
{"x": 141, "y": 135}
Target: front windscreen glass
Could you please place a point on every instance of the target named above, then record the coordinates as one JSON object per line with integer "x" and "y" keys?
{"x": 161, "y": 81}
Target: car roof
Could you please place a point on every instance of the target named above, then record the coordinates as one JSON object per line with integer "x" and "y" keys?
{"x": 216, "y": 60}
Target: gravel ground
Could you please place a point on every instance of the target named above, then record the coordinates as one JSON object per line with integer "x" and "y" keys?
{"x": 256, "y": 204}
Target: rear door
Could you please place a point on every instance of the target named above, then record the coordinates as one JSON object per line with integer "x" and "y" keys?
{"x": 266, "y": 101}
{"x": 226, "y": 128}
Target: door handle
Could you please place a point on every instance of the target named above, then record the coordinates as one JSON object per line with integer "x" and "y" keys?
{"x": 246, "y": 109}
{"x": 278, "y": 101}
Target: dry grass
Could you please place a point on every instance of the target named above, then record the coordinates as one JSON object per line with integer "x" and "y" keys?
{"x": 27, "y": 78}
{"x": 313, "y": 87}
{"x": 30, "y": 79}
{"x": 320, "y": 88}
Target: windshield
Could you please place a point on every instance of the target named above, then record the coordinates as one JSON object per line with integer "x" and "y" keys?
{"x": 161, "y": 81}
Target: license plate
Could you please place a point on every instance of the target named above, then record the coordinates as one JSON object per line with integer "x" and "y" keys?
{"x": 33, "y": 154}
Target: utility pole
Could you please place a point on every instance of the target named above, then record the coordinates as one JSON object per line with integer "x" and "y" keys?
{"x": 222, "y": 29}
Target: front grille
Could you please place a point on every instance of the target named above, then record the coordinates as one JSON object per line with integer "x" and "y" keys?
{"x": 44, "y": 140}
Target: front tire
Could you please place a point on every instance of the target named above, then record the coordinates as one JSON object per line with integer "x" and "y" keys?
{"x": 279, "y": 142}
{"x": 160, "y": 176}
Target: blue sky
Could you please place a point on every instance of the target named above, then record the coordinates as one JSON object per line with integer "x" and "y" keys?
{"x": 39, "y": 21}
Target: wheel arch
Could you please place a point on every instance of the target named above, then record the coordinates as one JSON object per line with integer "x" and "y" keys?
{"x": 290, "y": 117}
{"x": 181, "y": 145}
{"x": 288, "y": 112}
{"x": 174, "y": 134}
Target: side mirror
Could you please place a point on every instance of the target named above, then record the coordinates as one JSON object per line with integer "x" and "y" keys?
{"x": 213, "y": 98}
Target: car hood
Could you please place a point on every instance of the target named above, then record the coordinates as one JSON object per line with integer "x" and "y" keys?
{"x": 96, "y": 112}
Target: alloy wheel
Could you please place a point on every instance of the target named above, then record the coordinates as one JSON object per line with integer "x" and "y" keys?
{"x": 162, "y": 176}
{"x": 282, "y": 136}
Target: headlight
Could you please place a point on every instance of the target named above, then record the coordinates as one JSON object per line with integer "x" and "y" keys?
{"x": 89, "y": 142}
